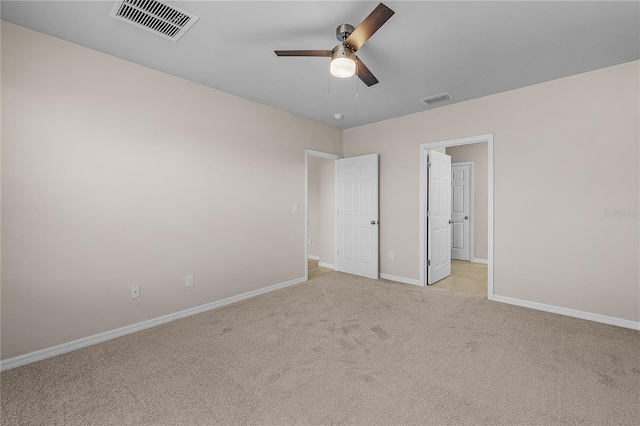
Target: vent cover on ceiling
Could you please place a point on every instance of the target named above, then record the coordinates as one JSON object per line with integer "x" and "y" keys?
{"x": 156, "y": 16}
{"x": 436, "y": 98}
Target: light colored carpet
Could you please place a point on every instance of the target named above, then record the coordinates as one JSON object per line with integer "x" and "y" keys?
{"x": 343, "y": 350}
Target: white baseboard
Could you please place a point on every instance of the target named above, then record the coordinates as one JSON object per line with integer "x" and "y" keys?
{"x": 401, "y": 279}
{"x": 313, "y": 257}
{"x": 112, "y": 334}
{"x": 327, "y": 265}
{"x": 478, "y": 260}
{"x": 634, "y": 325}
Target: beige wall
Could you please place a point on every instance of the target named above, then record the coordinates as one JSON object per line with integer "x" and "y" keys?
{"x": 478, "y": 153}
{"x": 114, "y": 174}
{"x": 321, "y": 209}
{"x": 327, "y": 211}
{"x": 313, "y": 202}
{"x": 553, "y": 182}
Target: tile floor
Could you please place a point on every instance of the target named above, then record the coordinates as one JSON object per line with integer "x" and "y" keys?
{"x": 317, "y": 271}
{"x": 466, "y": 277}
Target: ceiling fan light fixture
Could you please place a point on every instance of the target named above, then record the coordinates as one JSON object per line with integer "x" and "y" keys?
{"x": 343, "y": 67}
{"x": 343, "y": 63}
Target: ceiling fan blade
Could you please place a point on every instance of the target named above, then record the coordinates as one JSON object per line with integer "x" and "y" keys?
{"x": 364, "y": 74}
{"x": 303, "y": 52}
{"x": 369, "y": 26}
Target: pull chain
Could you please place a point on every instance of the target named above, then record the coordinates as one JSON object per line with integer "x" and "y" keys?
{"x": 357, "y": 81}
{"x": 329, "y": 80}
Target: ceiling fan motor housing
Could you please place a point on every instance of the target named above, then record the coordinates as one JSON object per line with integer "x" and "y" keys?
{"x": 344, "y": 31}
{"x": 343, "y": 62}
{"x": 342, "y": 51}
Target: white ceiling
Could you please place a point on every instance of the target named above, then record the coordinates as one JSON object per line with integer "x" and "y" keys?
{"x": 469, "y": 49}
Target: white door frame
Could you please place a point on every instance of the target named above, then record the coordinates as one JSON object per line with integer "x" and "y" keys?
{"x": 311, "y": 153}
{"x": 472, "y": 216}
{"x": 423, "y": 229}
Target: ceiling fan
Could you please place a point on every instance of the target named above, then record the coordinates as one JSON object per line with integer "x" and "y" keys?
{"x": 344, "y": 62}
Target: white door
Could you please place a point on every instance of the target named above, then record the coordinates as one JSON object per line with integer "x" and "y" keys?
{"x": 438, "y": 216}
{"x": 460, "y": 211}
{"x": 358, "y": 215}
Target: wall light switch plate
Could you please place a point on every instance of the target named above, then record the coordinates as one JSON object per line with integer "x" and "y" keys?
{"x": 295, "y": 209}
{"x": 390, "y": 255}
{"x": 189, "y": 280}
{"x": 135, "y": 291}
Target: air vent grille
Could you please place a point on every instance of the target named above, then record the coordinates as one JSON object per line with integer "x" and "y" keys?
{"x": 156, "y": 16}
{"x": 436, "y": 98}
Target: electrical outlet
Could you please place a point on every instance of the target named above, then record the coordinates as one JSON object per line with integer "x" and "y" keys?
{"x": 390, "y": 255}
{"x": 135, "y": 291}
{"x": 295, "y": 209}
{"x": 310, "y": 241}
{"x": 189, "y": 280}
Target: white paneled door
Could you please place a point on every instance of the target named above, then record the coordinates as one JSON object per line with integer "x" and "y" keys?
{"x": 438, "y": 216}
{"x": 460, "y": 211}
{"x": 358, "y": 215}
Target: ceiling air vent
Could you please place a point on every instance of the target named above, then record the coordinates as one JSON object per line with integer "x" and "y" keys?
{"x": 436, "y": 98}
{"x": 156, "y": 16}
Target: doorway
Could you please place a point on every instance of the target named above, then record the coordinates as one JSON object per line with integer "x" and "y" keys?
{"x": 480, "y": 248}
{"x": 320, "y": 224}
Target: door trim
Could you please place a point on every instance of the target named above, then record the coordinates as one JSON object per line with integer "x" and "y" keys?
{"x": 327, "y": 156}
{"x": 471, "y": 203}
{"x": 423, "y": 229}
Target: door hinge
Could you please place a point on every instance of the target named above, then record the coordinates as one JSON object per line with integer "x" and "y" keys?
{"x": 428, "y": 163}
{"x": 428, "y": 263}
{"x": 428, "y": 213}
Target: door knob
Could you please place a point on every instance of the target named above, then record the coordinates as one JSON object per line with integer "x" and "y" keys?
{"x": 450, "y": 221}
{"x": 466, "y": 217}
{"x": 373, "y": 222}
